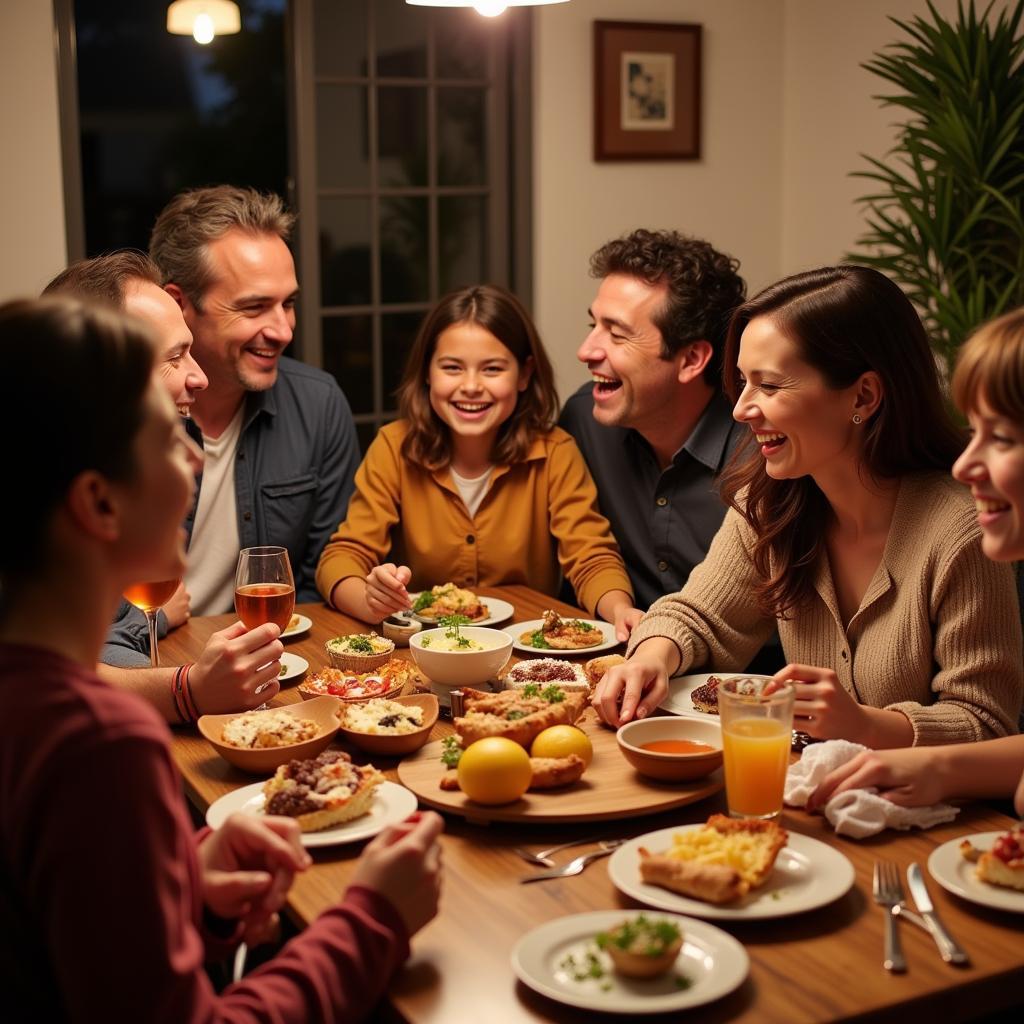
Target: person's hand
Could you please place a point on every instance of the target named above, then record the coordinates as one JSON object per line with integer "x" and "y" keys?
{"x": 823, "y": 709}
{"x": 403, "y": 864}
{"x": 246, "y": 869}
{"x": 178, "y": 608}
{"x": 625, "y": 620}
{"x": 631, "y": 690}
{"x": 385, "y": 590}
{"x": 235, "y": 663}
{"x": 906, "y": 777}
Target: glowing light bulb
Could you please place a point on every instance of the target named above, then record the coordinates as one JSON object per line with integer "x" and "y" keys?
{"x": 202, "y": 28}
{"x": 490, "y": 8}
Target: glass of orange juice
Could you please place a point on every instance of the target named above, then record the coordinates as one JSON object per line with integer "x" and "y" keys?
{"x": 757, "y": 727}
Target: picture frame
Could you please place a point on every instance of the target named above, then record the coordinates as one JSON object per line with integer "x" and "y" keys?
{"x": 647, "y": 90}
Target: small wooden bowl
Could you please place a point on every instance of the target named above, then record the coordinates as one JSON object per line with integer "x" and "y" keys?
{"x": 264, "y": 760}
{"x": 359, "y": 662}
{"x": 397, "y": 746}
{"x": 671, "y": 767}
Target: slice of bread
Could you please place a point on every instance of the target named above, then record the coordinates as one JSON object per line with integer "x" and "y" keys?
{"x": 514, "y": 716}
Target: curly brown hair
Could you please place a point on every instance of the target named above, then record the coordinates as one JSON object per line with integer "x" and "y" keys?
{"x": 428, "y": 442}
{"x": 844, "y": 321}
{"x": 703, "y": 287}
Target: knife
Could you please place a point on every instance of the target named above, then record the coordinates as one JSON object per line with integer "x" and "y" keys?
{"x": 948, "y": 949}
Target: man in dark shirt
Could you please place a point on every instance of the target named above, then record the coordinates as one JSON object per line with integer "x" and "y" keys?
{"x": 653, "y": 424}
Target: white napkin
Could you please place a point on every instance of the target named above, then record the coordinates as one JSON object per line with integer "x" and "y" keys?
{"x": 857, "y": 813}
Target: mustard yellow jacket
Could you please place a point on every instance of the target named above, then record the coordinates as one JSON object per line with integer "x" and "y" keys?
{"x": 537, "y": 515}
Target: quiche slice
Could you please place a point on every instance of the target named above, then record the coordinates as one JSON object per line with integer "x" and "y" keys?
{"x": 321, "y": 792}
{"x": 516, "y": 716}
{"x": 1003, "y": 865}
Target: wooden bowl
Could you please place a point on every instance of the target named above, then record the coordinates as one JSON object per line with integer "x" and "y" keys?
{"x": 671, "y": 767}
{"x": 350, "y": 662}
{"x": 397, "y": 746}
{"x": 264, "y": 760}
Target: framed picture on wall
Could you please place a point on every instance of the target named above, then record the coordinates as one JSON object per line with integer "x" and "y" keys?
{"x": 646, "y": 91}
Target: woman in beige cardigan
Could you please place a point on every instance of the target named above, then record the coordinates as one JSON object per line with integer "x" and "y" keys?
{"x": 845, "y": 532}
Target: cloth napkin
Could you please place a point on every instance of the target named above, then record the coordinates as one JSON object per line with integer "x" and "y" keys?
{"x": 857, "y": 813}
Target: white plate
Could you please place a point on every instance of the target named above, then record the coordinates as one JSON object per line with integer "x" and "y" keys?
{"x": 304, "y": 623}
{"x": 714, "y": 962}
{"x": 292, "y": 667}
{"x": 807, "y": 874}
{"x": 392, "y": 803}
{"x": 500, "y": 611}
{"x": 956, "y": 874}
{"x": 679, "y": 689}
{"x": 517, "y": 629}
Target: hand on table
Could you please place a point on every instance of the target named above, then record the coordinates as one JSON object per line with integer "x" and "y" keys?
{"x": 234, "y": 664}
{"x": 178, "y": 608}
{"x": 403, "y": 864}
{"x": 906, "y": 777}
{"x": 246, "y": 869}
{"x": 823, "y": 709}
{"x": 641, "y": 684}
{"x": 385, "y": 590}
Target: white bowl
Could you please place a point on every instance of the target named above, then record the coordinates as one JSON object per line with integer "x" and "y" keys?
{"x": 461, "y": 668}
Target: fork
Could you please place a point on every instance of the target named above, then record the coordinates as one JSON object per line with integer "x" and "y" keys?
{"x": 576, "y": 866}
{"x": 543, "y": 857}
{"x": 888, "y": 892}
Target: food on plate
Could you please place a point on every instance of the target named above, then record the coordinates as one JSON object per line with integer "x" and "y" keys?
{"x": 718, "y": 862}
{"x": 642, "y": 947}
{"x": 543, "y": 671}
{"x": 338, "y": 682}
{"x": 268, "y": 729}
{"x": 321, "y": 792}
{"x": 553, "y": 772}
{"x": 562, "y": 634}
{"x": 381, "y": 717}
{"x": 293, "y": 623}
{"x": 1003, "y": 865}
{"x": 705, "y": 697}
{"x": 448, "y": 599}
{"x": 596, "y": 667}
{"x": 517, "y": 715}
{"x": 494, "y": 770}
{"x": 365, "y": 644}
{"x": 562, "y": 741}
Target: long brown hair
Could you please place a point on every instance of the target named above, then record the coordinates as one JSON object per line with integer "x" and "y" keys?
{"x": 428, "y": 442}
{"x": 844, "y": 321}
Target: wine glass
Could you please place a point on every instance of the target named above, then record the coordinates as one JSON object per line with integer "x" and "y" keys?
{"x": 149, "y": 598}
{"x": 264, "y": 588}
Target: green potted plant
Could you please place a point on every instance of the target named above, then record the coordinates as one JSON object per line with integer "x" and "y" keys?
{"x": 946, "y": 217}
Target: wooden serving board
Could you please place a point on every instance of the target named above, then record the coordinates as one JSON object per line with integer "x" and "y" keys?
{"x": 610, "y": 788}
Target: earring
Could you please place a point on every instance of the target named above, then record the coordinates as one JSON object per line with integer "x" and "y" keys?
{"x": 856, "y": 418}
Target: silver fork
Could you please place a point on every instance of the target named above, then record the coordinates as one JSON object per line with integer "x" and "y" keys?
{"x": 576, "y": 866}
{"x": 888, "y": 892}
{"x": 543, "y": 857}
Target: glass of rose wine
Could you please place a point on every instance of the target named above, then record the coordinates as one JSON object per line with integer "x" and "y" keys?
{"x": 264, "y": 587}
{"x": 150, "y": 598}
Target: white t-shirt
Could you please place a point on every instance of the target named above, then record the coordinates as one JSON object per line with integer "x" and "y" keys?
{"x": 213, "y": 550}
{"x": 472, "y": 491}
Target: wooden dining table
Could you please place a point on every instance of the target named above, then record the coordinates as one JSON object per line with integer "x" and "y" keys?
{"x": 821, "y": 965}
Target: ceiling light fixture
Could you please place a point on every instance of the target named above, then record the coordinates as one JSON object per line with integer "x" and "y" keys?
{"x": 488, "y": 8}
{"x": 203, "y": 19}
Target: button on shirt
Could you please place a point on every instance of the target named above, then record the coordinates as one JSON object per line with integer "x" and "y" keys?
{"x": 664, "y": 520}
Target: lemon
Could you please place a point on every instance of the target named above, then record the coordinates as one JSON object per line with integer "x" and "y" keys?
{"x": 561, "y": 741}
{"x": 494, "y": 771}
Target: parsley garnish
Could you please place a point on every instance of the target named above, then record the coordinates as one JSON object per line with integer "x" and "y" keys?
{"x": 450, "y": 751}
{"x": 514, "y": 715}
{"x": 553, "y": 694}
{"x": 425, "y": 600}
{"x": 452, "y": 624}
{"x": 531, "y": 690}
{"x": 360, "y": 645}
{"x": 537, "y": 640}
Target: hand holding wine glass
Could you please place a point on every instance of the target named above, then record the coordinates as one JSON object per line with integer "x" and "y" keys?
{"x": 264, "y": 588}
{"x": 148, "y": 598}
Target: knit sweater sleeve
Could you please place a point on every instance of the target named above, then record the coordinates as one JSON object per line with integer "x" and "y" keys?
{"x": 714, "y": 620}
{"x": 978, "y": 677}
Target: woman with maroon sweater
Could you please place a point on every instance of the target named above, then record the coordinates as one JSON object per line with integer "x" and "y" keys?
{"x": 108, "y": 901}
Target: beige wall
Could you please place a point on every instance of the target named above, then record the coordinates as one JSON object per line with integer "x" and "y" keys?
{"x": 33, "y": 245}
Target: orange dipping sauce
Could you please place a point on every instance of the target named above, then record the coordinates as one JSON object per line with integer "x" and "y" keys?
{"x": 677, "y": 747}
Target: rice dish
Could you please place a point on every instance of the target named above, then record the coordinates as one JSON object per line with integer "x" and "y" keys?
{"x": 383, "y": 718}
{"x": 268, "y": 729}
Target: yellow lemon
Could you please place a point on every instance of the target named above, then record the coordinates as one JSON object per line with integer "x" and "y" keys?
{"x": 494, "y": 771}
{"x": 561, "y": 741}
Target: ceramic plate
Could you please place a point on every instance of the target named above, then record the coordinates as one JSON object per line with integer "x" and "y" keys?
{"x": 392, "y": 803}
{"x": 292, "y": 666}
{"x": 807, "y": 874}
{"x": 517, "y": 629}
{"x": 956, "y": 874}
{"x": 711, "y": 962}
{"x": 500, "y": 611}
{"x": 679, "y": 689}
{"x": 299, "y": 624}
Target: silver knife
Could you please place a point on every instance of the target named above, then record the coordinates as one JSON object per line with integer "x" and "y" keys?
{"x": 948, "y": 949}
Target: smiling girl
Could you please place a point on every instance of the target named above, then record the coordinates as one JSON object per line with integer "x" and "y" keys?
{"x": 845, "y": 531}
{"x": 474, "y": 484}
